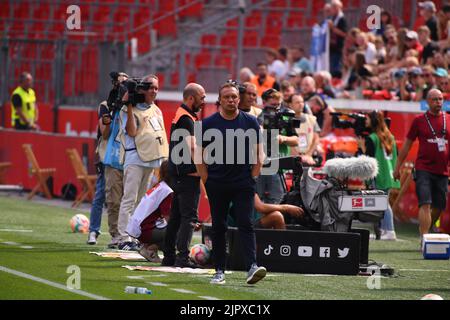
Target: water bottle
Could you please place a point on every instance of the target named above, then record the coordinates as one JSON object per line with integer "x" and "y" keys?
{"x": 138, "y": 290}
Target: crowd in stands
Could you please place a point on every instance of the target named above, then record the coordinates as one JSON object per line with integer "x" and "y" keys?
{"x": 387, "y": 63}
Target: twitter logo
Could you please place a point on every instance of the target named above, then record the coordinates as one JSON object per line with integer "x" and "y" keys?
{"x": 343, "y": 253}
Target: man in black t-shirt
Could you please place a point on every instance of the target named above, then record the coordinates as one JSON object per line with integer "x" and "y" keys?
{"x": 185, "y": 181}
{"x": 231, "y": 161}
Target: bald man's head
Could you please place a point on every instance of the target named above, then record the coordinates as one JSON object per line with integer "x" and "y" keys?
{"x": 435, "y": 99}
{"x": 194, "y": 96}
{"x": 308, "y": 85}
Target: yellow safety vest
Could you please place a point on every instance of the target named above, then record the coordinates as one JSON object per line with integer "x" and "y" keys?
{"x": 28, "y": 106}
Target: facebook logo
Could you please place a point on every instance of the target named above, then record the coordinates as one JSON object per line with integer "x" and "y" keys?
{"x": 324, "y": 252}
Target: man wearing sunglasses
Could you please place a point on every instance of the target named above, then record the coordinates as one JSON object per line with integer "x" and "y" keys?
{"x": 145, "y": 147}
{"x": 431, "y": 165}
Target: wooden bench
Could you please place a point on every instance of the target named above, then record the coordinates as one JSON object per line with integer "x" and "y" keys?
{"x": 41, "y": 174}
{"x": 87, "y": 181}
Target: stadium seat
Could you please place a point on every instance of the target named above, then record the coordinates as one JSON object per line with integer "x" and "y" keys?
{"x": 251, "y": 38}
{"x": 166, "y": 26}
{"x": 202, "y": 59}
{"x": 224, "y": 61}
{"x": 295, "y": 19}
{"x": 278, "y": 4}
{"x": 87, "y": 181}
{"x": 229, "y": 39}
{"x": 271, "y": 41}
{"x": 233, "y": 22}
{"x": 4, "y": 9}
{"x": 299, "y": 3}
{"x": 274, "y": 23}
{"x": 209, "y": 39}
{"x": 41, "y": 174}
{"x": 194, "y": 10}
{"x": 253, "y": 20}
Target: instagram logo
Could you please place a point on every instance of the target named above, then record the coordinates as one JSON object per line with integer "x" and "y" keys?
{"x": 285, "y": 251}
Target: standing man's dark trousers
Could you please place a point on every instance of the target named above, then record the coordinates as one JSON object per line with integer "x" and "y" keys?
{"x": 183, "y": 216}
{"x": 220, "y": 198}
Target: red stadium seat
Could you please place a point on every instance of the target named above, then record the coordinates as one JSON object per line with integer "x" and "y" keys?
{"x": 254, "y": 19}
{"x": 233, "y": 22}
{"x": 166, "y": 26}
{"x": 299, "y": 4}
{"x": 194, "y": 11}
{"x": 271, "y": 41}
{"x": 223, "y": 61}
{"x": 251, "y": 38}
{"x": 209, "y": 39}
{"x": 4, "y": 9}
{"x": 202, "y": 59}
{"x": 229, "y": 39}
{"x": 274, "y": 22}
{"x": 278, "y": 4}
{"x": 295, "y": 19}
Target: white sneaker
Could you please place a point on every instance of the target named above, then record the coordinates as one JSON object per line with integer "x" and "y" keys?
{"x": 92, "y": 238}
{"x": 388, "y": 235}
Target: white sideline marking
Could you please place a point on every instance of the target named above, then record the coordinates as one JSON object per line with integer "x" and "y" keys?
{"x": 158, "y": 284}
{"x": 52, "y": 284}
{"x": 424, "y": 270}
{"x": 182, "y": 290}
{"x": 208, "y": 298}
{"x": 11, "y": 243}
{"x": 26, "y": 247}
{"x": 15, "y": 230}
{"x": 147, "y": 276}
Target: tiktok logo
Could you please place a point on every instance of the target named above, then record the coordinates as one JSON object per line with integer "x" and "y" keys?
{"x": 268, "y": 250}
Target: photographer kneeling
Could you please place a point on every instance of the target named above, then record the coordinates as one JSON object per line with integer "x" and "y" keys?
{"x": 380, "y": 144}
{"x": 270, "y": 187}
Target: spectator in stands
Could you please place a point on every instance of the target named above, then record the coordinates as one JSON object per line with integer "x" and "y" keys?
{"x": 369, "y": 49}
{"x": 145, "y": 140}
{"x": 428, "y": 12}
{"x": 408, "y": 83}
{"x": 148, "y": 224}
{"x": 24, "y": 111}
{"x": 230, "y": 183}
{"x": 248, "y": 99}
{"x": 267, "y": 215}
{"x": 386, "y": 19}
{"x": 412, "y": 42}
{"x": 263, "y": 80}
{"x": 401, "y": 42}
{"x": 431, "y": 166}
{"x": 338, "y": 28}
{"x": 380, "y": 55}
{"x": 112, "y": 165}
{"x": 185, "y": 181}
{"x": 308, "y": 133}
{"x": 288, "y": 91}
{"x": 299, "y": 60}
{"x": 283, "y": 55}
{"x": 322, "y": 112}
{"x": 350, "y": 44}
{"x": 428, "y": 76}
{"x": 391, "y": 44}
{"x": 438, "y": 60}
{"x": 429, "y": 46}
{"x": 441, "y": 78}
{"x": 444, "y": 26}
{"x": 95, "y": 218}
{"x": 380, "y": 144}
{"x": 295, "y": 78}
{"x": 323, "y": 83}
{"x": 270, "y": 187}
{"x": 245, "y": 75}
{"x": 275, "y": 66}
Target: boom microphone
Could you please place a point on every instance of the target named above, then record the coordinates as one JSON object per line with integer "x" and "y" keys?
{"x": 362, "y": 167}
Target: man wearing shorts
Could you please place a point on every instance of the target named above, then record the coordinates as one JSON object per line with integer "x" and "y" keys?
{"x": 431, "y": 167}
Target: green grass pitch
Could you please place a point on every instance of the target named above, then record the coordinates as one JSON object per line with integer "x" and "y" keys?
{"x": 48, "y": 251}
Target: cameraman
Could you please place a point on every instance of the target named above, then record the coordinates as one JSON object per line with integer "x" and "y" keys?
{"x": 380, "y": 144}
{"x": 113, "y": 170}
{"x": 145, "y": 147}
{"x": 270, "y": 187}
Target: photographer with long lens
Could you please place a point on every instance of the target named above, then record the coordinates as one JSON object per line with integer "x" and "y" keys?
{"x": 145, "y": 147}
{"x": 270, "y": 188}
{"x": 380, "y": 144}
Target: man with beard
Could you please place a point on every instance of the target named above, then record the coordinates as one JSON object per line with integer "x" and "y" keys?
{"x": 431, "y": 166}
{"x": 185, "y": 181}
